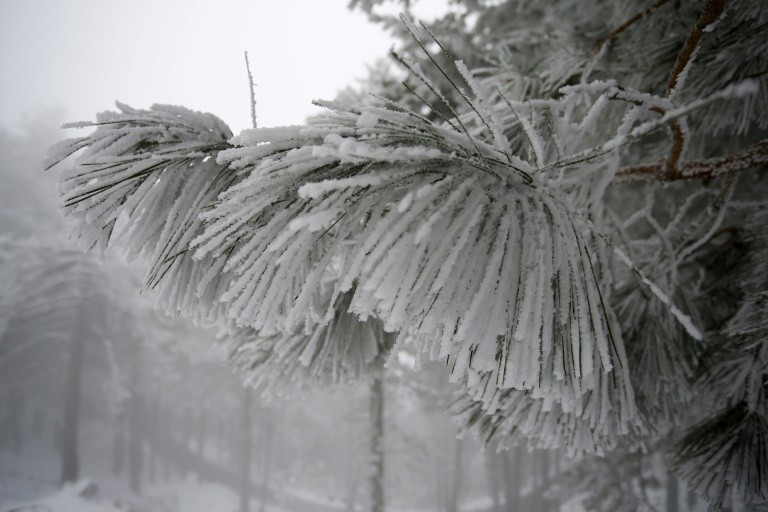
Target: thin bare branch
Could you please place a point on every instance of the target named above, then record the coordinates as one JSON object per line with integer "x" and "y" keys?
{"x": 755, "y": 156}
{"x": 251, "y": 86}
{"x": 709, "y": 16}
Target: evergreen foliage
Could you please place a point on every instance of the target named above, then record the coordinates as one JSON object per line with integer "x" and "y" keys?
{"x": 549, "y": 225}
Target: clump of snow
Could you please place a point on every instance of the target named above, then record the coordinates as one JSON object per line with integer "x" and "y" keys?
{"x": 315, "y": 221}
{"x": 255, "y": 136}
{"x": 746, "y": 88}
{"x": 367, "y": 120}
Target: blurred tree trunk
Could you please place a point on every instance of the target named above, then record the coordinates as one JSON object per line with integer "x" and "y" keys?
{"x": 135, "y": 445}
{"x": 118, "y": 444}
{"x": 135, "y": 417}
{"x": 14, "y": 418}
{"x": 70, "y": 464}
{"x": 492, "y": 468}
{"x": 184, "y": 430}
{"x": 352, "y": 484}
{"x": 545, "y": 480}
{"x": 511, "y": 477}
{"x": 266, "y": 452}
{"x": 221, "y": 443}
{"x": 165, "y": 438}
{"x": 233, "y": 435}
{"x": 672, "y": 493}
{"x": 691, "y": 501}
{"x": 201, "y": 433}
{"x": 532, "y": 494}
{"x": 181, "y": 427}
{"x": 377, "y": 444}
{"x": 151, "y": 427}
{"x": 245, "y": 450}
{"x": 38, "y": 423}
{"x": 439, "y": 477}
{"x": 456, "y": 476}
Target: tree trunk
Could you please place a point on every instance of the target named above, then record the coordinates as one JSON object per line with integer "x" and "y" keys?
{"x": 38, "y": 423}
{"x": 201, "y": 433}
{"x": 135, "y": 446}
{"x": 672, "y": 493}
{"x": 165, "y": 439}
{"x": 352, "y": 481}
{"x": 439, "y": 478}
{"x": 15, "y": 419}
{"x": 545, "y": 480}
{"x": 118, "y": 444}
{"x": 221, "y": 444}
{"x": 511, "y": 472}
{"x": 70, "y": 464}
{"x": 492, "y": 468}
{"x": 456, "y": 476}
{"x": 135, "y": 417}
{"x": 691, "y": 501}
{"x": 266, "y": 470}
{"x": 151, "y": 426}
{"x": 377, "y": 444}
{"x": 245, "y": 451}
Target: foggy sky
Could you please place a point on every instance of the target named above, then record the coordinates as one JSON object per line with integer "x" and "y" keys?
{"x": 85, "y": 54}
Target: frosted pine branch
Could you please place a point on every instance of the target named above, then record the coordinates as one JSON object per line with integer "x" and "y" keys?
{"x": 139, "y": 184}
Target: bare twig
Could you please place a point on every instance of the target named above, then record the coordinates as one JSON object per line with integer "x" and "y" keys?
{"x": 678, "y": 144}
{"x": 702, "y": 169}
{"x": 709, "y": 16}
{"x": 251, "y": 86}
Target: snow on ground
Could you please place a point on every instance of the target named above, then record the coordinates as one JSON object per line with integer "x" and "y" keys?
{"x": 186, "y": 495}
{"x": 193, "y": 496}
{"x": 80, "y": 497}
{"x": 26, "y": 474}
{"x": 30, "y": 477}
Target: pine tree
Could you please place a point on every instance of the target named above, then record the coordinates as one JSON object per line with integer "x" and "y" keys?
{"x": 575, "y": 227}
{"x": 58, "y": 304}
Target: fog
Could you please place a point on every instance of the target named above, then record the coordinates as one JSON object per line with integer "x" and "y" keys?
{"x": 84, "y": 55}
{"x": 97, "y": 386}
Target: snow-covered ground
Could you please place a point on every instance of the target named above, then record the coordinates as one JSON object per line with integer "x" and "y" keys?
{"x": 79, "y": 497}
{"x": 188, "y": 495}
{"x": 29, "y": 478}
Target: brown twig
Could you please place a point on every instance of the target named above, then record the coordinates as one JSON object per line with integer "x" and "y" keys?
{"x": 702, "y": 169}
{"x": 678, "y": 143}
{"x": 709, "y": 15}
{"x": 624, "y": 26}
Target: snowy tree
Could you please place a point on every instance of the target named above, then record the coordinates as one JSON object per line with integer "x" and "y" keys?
{"x": 555, "y": 204}
{"x": 58, "y": 304}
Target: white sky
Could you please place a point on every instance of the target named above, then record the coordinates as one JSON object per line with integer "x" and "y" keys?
{"x": 85, "y": 54}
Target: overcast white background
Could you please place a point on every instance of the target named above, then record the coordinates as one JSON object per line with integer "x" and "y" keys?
{"x": 83, "y": 55}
